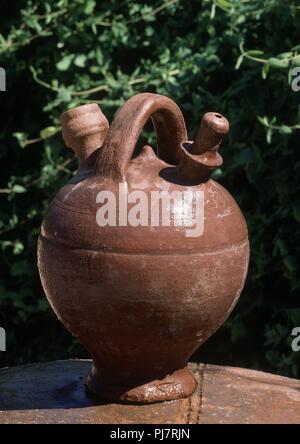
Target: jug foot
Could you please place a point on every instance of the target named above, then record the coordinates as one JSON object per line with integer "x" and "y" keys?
{"x": 179, "y": 384}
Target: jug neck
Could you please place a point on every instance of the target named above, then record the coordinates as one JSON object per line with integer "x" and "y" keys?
{"x": 84, "y": 129}
{"x": 200, "y": 157}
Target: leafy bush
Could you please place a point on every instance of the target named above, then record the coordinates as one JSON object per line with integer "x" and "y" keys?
{"x": 225, "y": 55}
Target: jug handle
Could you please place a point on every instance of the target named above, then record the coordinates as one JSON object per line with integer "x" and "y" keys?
{"x": 127, "y": 126}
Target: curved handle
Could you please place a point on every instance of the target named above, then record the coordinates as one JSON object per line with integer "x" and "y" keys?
{"x": 126, "y": 128}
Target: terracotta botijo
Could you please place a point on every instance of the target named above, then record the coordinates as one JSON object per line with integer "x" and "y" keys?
{"x": 142, "y": 296}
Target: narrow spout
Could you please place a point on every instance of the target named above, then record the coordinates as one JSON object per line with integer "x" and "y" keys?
{"x": 84, "y": 129}
{"x": 201, "y": 157}
{"x": 212, "y": 129}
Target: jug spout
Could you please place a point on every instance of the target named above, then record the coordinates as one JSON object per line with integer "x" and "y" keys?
{"x": 84, "y": 129}
{"x": 213, "y": 128}
{"x": 201, "y": 157}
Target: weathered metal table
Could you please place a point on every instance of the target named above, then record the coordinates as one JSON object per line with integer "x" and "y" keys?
{"x": 53, "y": 392}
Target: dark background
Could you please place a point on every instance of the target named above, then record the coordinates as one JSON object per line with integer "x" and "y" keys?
{"x": 229, "y": 56}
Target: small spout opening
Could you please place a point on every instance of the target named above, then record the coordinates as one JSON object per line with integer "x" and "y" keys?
{"x": 218, "y": 116}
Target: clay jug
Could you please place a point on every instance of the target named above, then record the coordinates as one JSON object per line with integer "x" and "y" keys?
{"x": 140, "y": 291}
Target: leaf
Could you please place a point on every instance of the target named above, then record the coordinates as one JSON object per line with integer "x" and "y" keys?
{"x": 18, "y": 247}
{"x": 284, "y": 129}
{"x": 263, "y": 120}
{"x": 213, "y": 11}
{"x": 255, "y": 52}
{"x": 80, "y": 60}
{"x": 65, "y": 62}
{"x": 224, "y": 4}
{"x": 296, "y": 61}
{"x": 18, "y": 189}
{"x": 239, "y": 61}
{"x": 22, "y": 138}
{"x": 285, "y": 55}
{"x": 89, "y": 6}
{"x": 99, "y": 55}
{"x": 48, "y": 132}
{"x": 64, "y": 95}
{"x": 265, "y": 70}
{"x": 277, "y": 63}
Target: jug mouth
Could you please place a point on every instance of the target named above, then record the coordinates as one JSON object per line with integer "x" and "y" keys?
{"x": 210, "y": 159}
{"x": 84, "y": 129}
{"x": 197, "y": 168}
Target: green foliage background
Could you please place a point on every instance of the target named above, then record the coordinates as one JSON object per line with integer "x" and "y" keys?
{"x": 225, "y": 55}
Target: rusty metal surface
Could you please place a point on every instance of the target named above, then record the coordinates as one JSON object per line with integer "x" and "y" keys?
{"x": 54, "y": 392}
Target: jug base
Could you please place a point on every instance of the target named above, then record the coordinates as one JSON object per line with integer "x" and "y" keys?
{"x": 179, "y": 384}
